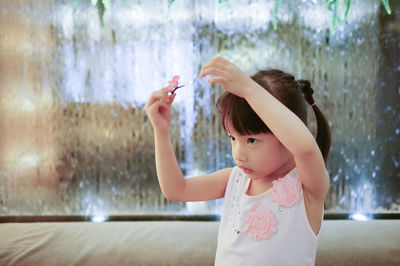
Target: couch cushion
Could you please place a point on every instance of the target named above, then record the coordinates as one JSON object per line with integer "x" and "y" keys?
{"x": 347, "y": 242}
{"x": 341, "y": 242}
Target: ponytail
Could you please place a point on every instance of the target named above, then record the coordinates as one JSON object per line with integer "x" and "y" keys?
{"x": 323, "y": 130}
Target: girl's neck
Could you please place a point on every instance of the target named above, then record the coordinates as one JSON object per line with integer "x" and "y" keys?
{"x": 257, "y": 187}
{"x": 282, "y": 171}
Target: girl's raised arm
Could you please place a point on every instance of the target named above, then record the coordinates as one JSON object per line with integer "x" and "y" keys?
{"x": 283, "y": 123}
{"x": 172, "y": 182}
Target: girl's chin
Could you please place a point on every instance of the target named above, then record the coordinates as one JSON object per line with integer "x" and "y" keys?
{"x": 253, "y": 176}
{"x": 257, "y": 177}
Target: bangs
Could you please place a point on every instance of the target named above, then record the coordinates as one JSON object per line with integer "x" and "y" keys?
{"x": 236, "y": 114}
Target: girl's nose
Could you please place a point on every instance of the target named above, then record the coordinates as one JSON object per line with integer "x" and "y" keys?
{"x": 239, "y": 154}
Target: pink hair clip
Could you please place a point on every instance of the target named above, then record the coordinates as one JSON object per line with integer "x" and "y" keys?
{"x": 173, "y": 85}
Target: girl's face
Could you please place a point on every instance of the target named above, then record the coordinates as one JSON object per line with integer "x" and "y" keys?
{"x": 261, "y": 156}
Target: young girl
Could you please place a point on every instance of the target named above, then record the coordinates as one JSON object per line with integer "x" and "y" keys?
{"x": 274, "y": 196}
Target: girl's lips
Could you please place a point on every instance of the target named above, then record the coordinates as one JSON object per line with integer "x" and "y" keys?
{"x": 246, "y": 170}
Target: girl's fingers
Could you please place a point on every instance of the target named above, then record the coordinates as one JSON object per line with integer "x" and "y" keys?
{"x": 160, "y": 95}
{"x": 212, "y": 70}
{"x": 164, "y": 90}
{"x": 219, "y": 60}
{"x": 158, "y": 107}
{"x": 216, "y": 61}
{"x": 216, "y": 69}
{"x": 168, "y": 98}
{"x": 219, "y": 80}
{"x": 154, "y": 97}
{"x": 172, "y": 97}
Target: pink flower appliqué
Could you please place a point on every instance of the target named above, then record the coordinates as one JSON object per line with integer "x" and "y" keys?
{"x": 260, "y": 224}
{"x": 286, "y": 192}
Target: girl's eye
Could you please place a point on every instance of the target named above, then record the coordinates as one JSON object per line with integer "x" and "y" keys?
{"x": 232, "y": 138}
{"x": 252, "y": 140}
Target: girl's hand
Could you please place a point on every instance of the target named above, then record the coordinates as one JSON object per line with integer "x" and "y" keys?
{"x": 158, "y": 108}
{"x": 228, "y": 75}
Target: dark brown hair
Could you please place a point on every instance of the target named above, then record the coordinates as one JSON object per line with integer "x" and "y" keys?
{"x": 236, "y": 112}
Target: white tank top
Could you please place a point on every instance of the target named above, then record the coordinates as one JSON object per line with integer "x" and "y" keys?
{"x": 268, "y": 229}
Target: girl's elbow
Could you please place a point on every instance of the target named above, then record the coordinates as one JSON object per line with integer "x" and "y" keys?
{"x": 173, "y": 195}
{"x": 324, "y": 188}
{"x": 173, "y": 191}
{"x": 169, "y": 196}
{"x": 308, "y": 149}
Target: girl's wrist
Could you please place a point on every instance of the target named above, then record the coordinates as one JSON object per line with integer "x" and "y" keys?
{"x": 254, "y": 90}
{"x": 159, "y": 134}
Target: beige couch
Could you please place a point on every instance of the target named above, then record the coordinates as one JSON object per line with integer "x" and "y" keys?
{"x": 341, "y": 242}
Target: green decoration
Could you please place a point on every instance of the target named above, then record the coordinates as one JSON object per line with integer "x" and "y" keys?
{"x": 102, "y": 6}
{"x": 76, "y": 2}
{"x": 107, "y": 4}
{"x": 275, "y": 14}
{"x": 335, "y": 6}
{"x": 127, "y": 3}
{"x": 170, "y": 2}
{"x": 225, "y": 3}
{"x": 387, "y": 7}
{"x": 100, "y": 9}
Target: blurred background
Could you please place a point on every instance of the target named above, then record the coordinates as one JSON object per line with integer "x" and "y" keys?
{"x": 75, "y": 75}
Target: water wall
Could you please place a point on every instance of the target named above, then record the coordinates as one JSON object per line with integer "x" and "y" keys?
{"x": 75, "y": 139}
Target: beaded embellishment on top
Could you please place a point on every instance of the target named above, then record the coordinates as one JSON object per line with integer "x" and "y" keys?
{"x": 236, "y": 218}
